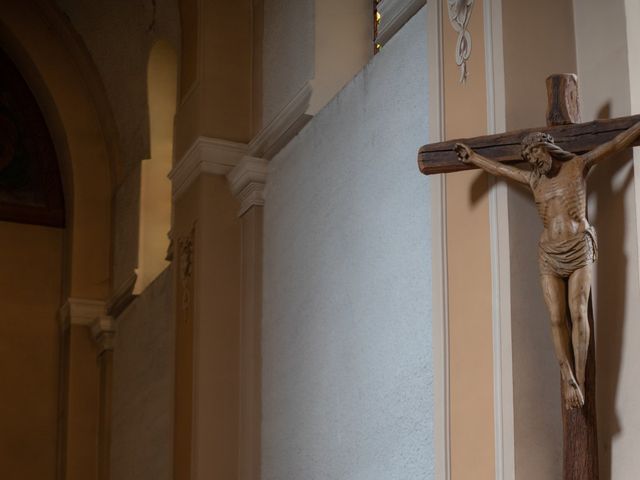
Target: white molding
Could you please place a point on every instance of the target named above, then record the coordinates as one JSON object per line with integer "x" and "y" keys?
{"x": 78, "y": 311}
{"x": 103, "y": 331}
{"x": 93, "y": 315}
{"x": 286, "y": 124}
{"x": 206, "y": 155}
{"x": 632, "y": 13}
{"x": 500, "y": 253}
{"x": 440, "y": 300}
{"x": 246, "y": 182}
{"x": 393, "y": 15}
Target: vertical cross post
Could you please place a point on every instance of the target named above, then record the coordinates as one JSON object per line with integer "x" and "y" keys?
{"x": 580, "y": 430}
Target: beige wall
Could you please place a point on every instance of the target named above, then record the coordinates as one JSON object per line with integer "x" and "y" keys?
{"x": 155, "y": 186}
{"x": 603, "y": 56}
{"x": 82, "y": 401}
{"x": 188, "y": 45}
{"x": 208, "y": 331}
{"x": 256, "y": 67}
{"x": 529, "y": 58}
{"x": 469, "y": 269}
{"x": 588, "y": 38}
{"x": 250, "y": 399}
{"x": 30, "y": 296}
{"x": 116, "y": 39}
{"x": 343, "y": 45}
{"x": 219, "y": 103}
{"x": 51, "y": 68}
{"x": 183, "y": 238}
{"x": 222, "y": 102}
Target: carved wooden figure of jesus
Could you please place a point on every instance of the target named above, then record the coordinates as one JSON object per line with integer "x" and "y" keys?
{"x": 568, "y": 246}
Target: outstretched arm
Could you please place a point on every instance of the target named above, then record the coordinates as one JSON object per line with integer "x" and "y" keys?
{"x": 620, "y": 142}
{"x": 466, "y": 155}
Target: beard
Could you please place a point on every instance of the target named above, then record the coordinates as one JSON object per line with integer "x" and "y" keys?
{"x": 543, "y": 166}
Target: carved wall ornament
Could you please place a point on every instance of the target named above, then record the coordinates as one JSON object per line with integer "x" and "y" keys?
{"x": 185, "y": 252}
{"x": 459, "y": 16}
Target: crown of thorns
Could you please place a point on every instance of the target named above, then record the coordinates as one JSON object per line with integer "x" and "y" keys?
{"x": 540, "y": 139}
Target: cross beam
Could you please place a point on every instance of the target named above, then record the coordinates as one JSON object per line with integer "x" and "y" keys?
{"x": 580, "y": 437}
{"x": 505, "y": 147}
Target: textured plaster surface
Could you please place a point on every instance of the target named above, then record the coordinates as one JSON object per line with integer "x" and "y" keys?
{"x": 143, "y": 372}
{"x": 347, "y": 368}
{"x": 288, "y": 52}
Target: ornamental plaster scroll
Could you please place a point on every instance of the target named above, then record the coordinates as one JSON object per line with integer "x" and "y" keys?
{"x": 185, "y": 252}
{"x": 459, "y": 17}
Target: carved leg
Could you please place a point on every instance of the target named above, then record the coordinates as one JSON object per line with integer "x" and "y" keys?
{"x": 554, "y": 290}
{"x": 579, "y": 287}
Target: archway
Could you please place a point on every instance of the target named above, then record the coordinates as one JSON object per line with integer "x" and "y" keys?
{"x": 69, "y": 94}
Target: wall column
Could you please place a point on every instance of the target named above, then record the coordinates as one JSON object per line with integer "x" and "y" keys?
{"x": 247, "y": 184}
{"x": 207, "y": 236}
{"x": 103, "y": 331}
{"x": 467, "y": 272}
{"x": 87, "y": 334}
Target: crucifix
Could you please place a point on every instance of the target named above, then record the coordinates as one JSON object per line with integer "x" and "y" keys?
{"x": 560, "y": 157}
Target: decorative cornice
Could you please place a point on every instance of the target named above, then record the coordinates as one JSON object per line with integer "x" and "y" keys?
{"x": 286, "y": 125}
{"x": 93, "y": 315}
{"x": 78, "y": 311}
{"x": 246, "y": 182}
{"x": 218, "y": 157}
{"x": 103, "y": 332}
{"x": 206, "y": 155}
{"x": 393, "y": 15}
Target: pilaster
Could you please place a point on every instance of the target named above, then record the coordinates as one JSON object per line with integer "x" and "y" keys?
{"x": 247, "y": 182}
{"x": 207, "y": 248}
{"x": 88, "y": 342}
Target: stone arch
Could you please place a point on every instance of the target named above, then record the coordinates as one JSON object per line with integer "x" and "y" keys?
{"x": 68, "y": 90}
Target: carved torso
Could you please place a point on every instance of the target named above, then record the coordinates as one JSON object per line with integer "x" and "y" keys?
{"x": 561, "y": 200}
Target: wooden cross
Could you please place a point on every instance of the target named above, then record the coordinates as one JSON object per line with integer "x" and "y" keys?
{"x": 580, "y": 440}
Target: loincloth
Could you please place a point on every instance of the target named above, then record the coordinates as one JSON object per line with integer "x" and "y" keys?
{"x": 563, "y": 257}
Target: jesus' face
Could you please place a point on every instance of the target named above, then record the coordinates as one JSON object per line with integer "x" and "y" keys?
{"x": 540, "y": 159}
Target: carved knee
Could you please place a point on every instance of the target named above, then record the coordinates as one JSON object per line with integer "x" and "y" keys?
{"x": 557, "y": 319}
{"x": 581, "y": 324}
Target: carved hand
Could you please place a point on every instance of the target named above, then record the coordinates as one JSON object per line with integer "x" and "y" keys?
{"x": 464, "y": 152}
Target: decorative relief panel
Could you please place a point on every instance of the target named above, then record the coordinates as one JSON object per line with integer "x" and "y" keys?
{"x": 185, "y": 252}
{"x": 459, "y": 16}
